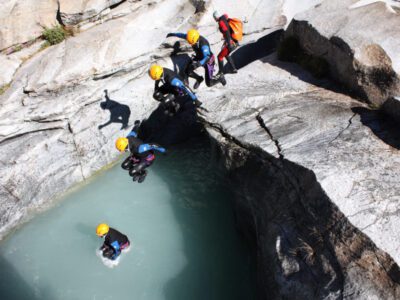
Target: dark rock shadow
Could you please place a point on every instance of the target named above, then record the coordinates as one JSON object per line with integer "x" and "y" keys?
{"x": 119, "y": 113}
{"x": 166, "y": 130}
{"x": 384, "y": 127}
{"x": 204, "y": 275}
{"x": 262, "y": 50}
{"x": 278, "y": 200}
{"x": 249, "y": 53}
{"x": 14, "y": 287}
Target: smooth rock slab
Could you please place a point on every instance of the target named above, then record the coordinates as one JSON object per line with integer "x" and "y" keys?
{"x": 73, "y": 12}
{"x": 22, "y": 21}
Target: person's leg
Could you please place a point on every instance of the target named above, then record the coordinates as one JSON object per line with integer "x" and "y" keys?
{"x": 127, "y": 163}
{"x": 210, "y": 79}
{"x": 189, "y": 71}
{"x": 224, "y": 52}
{"x": 192, "y": 74}
{"x": 232, "y": 63}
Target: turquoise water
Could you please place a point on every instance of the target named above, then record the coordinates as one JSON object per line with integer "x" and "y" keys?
{"x": 180, "y": 223}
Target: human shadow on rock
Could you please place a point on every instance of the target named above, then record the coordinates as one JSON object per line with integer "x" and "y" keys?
{"x": 119, "y": 113}
{"x": 381, "y": 125}
{"x": 168, "y": 130}
{"x": 179, "y": 59}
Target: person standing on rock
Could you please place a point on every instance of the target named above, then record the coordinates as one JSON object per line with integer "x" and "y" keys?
{"x": 114, "y": 241}
{"x": 142, "y": 154}
{"x": 232, "y": 31}
{"x": 203, "y": 58}
{"x": 172, "y": 83}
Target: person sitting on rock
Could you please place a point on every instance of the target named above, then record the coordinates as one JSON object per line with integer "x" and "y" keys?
{"x": 229, "y": 45}
{"x": 114, "y": 241}
{"x": 172, "y": 83}
{"x": 142, "y": 154}
{"x": 203, "y": 58}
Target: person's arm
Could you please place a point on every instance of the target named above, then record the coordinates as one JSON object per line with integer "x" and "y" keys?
{"x": 117, "y": 249}
{"x": 206, "y": 53}
{"x": 148, "y": 147}
{"x": 177, "y": 34}
{"x": 104, "y": 246}
{"x": 132, "y": 133}
{"x": 157, "y": 85}
{"x": 179, "y": 84}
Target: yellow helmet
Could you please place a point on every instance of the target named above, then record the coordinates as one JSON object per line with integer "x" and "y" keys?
{"x": 102, "y": 229}
{"x": 121, "y": 144}
{"x": 156, "y": 72}
{"x": 192, "y": 36}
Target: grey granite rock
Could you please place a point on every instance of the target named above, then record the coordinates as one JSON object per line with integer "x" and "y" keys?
{"x": 22, "y": 21}
{"x": 321, "y": 148}
{"x": 73, "y": 12}
{"x": 314, "y": 171}
{"x": 49, "y": 117}
{"x": 360, "y": 43}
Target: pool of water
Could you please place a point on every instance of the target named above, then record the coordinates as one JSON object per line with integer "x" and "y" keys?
{"x": 180, "y": 223}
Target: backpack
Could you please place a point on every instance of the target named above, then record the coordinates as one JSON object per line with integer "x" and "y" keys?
{"x": 236, "y": 26}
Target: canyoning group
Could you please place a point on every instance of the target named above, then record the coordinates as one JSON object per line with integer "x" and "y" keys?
{"x": 170, "y": 86}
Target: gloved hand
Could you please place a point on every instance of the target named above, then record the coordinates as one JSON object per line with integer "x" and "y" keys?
{"x": 195, "y": 64}
{"x": 169, "y": 35}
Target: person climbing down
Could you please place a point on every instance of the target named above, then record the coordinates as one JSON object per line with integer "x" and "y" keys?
{"x": 142, "y": 154}
{"x": 203, "y": 58}
{"x": 114, "y": 241}
{"x": 172, "y": 84}
{"x": 232, "y": 31}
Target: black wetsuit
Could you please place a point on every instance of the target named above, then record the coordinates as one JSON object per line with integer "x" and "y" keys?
{"x": 114, "y": 235}
{"x": 142, "y": 156}
{"x": 204, "y": 57}
{"x": 173, "y": 84}
{"x": 114, "y": 242}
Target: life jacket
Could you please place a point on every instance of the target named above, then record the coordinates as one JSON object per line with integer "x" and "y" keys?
{"x": 236, "y": 26}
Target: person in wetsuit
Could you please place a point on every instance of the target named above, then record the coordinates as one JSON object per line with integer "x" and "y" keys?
{"x": 172, "y": 83}
{"x": 114, "y": 241}
{"x": 142, "y": 154}
{"x": 229, "y": 45}
{"x": 203, "y": 58}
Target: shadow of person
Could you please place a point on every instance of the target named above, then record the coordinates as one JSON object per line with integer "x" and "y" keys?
{"x": 119, "y": 113}
{"x": 180, "y": 60}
